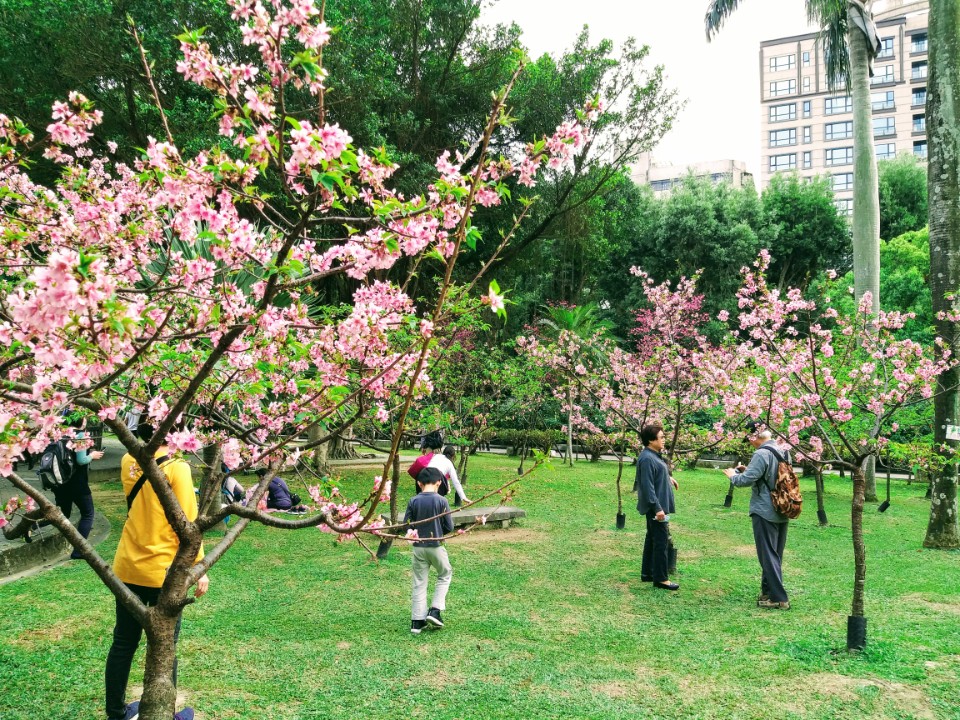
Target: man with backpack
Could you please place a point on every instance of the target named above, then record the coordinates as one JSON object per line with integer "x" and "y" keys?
{"x": 769, "y": 525}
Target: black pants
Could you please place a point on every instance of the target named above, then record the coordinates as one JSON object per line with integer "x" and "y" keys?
{"x": 66, "y": 497}
{"x": 771, "y": 539}
{"x": 126, "y": 639}
{"x": 655, "y": 546}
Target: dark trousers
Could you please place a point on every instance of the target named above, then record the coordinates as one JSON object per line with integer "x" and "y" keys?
{"x": 771, "y": 539}
{"x": 126, "y": 639}
{"x": 655, "y": 546}
{"x": 66, "y": 497}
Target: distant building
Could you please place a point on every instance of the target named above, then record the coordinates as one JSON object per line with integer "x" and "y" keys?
{"x": 662, "y": 178}
{"x": 806, "y": 129}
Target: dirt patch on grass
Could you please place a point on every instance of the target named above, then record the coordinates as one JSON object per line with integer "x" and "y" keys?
{"x": 907, "y": 698}
{"x": 511, "y": 535}
{"x": 64, "y": 629}
{"x": 917, "y": 600}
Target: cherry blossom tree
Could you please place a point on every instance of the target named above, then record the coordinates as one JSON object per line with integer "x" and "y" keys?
{"x": 830, "y": 387}
{"x": 184, "y": 285}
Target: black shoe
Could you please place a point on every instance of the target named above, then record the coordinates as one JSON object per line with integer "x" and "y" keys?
{"x": 433, "y": 617}
{"x": 416, "y": 626}
{"x": 666, "y": 586}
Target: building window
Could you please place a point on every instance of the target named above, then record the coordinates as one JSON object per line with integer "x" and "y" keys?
{"x": 779, "y": 163}
{"x": 919, "y": 123}
{"x": 919, "y": 97}
{"x": 920, "y": 149}
{"x": 661, "y": 185}
{"x": 783, "y": 62}
{"x": 783, "y": 87}
{"x": 884, "y": 126}
{"x": 844, "y": 206}
{"x": 806, "y": 59}
{"x": 806, "y": 84}
{"x": 886, "y": 49}
{"x": 779, "y": 113}
{"x": 886, "y": 151}
{"x": 918, "y": 43}
{"x": 839, "y": 156}
{"x": 882, "y": 100}
{"x": 780, "y": 138}
{"x": 808, "y": 134}
{"x": 807, "y": 108}
{"x": 716, "y": 178}
{"x": 838, "y": 130}
{"x": 836, "y": 105}
{"x": 807, "y": 160}
{"x": 918, "y": 70}
{"x": 842, "y": 181}
{"x": 883, "y": 75}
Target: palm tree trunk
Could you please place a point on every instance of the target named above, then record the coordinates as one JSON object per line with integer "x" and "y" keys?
{"x": 569, "y": 457}
{"x": 866, "y": 198}
{"x": 943, "y": 188}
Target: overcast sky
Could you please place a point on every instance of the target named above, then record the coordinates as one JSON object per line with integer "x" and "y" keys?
{"x": 720, "y": 80}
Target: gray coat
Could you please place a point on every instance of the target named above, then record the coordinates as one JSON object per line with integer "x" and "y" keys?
{"x": 654, "y": 491}
{"x": 761, "y": 474}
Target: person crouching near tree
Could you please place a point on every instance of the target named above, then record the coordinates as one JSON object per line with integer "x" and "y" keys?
{"x": 428, "y": 513}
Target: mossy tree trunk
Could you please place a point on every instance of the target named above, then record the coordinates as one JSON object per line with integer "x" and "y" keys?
{"x": 943, "y": 189}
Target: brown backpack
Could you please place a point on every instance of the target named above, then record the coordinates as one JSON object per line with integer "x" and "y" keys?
{"x": 785, "y": 495}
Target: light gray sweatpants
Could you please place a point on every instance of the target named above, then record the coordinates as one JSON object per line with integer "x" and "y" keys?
{"x": 423, "y": 559}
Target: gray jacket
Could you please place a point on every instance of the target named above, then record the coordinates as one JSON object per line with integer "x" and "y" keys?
{"x": 654, "y": 491}
{"x": 761, "y": 473}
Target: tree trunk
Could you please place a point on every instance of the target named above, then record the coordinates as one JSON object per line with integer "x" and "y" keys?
{"x": 569, "y": 457}
{"x": 859, "y": 549}
{"x": 341, "y": 448}
{"x": 818, "y": 479}
{"x": 870, "y": 479}
{"x": 321, "y": 453}
{"x": 212, "y": 498}
{"x": 866, "y": 198}
{"x": 159, "y": 692}
{"x": 943, "y": 189}
{"x": 384, "y": 548}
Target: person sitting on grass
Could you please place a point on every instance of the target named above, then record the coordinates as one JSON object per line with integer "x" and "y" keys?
{"x": 428, "y": 514}
{"x": 279, "y": 496}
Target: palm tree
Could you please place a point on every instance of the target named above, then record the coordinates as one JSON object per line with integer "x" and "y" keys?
{"x": 850, "y": 42}
{"x": 585, "y": 322}
{"x": 943, "y": 189}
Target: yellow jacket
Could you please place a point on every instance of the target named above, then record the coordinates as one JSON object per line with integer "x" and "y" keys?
{"x": 148, "y": 543}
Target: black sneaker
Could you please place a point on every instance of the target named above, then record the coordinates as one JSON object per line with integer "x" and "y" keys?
{"x": 433, "y": 617}
{"x": 416, "y": 626}
{"x": 133, "y": 711}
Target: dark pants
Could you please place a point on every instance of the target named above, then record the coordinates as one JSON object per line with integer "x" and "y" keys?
{"x": 66, "y": 497}
{"x": 771, "y": 539}
{"x": 655, "y": 546}
{"x": 126, "y": 639}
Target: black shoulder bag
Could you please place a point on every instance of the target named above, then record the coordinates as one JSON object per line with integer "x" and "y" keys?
{"x": 140, "y": 481}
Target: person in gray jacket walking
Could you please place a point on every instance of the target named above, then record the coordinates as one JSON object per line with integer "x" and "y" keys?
{"x": 769, "y": 526}
{"x": 655, "y": 502}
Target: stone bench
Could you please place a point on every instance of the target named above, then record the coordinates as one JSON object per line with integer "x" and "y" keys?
{"x": 497, "y": 517}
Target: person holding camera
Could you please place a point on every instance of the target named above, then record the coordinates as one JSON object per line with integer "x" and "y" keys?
{"x": 769, "y": 526}
{"x": 655, "y": 501}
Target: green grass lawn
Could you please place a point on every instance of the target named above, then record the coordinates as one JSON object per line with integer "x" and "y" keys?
{"x": 548, "y": 619}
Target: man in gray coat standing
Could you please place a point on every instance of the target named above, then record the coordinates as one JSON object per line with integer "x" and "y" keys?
{"x": 655, "y": 501}
{"x": 769, "y": 526}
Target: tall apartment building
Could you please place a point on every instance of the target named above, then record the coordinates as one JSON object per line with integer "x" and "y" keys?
{"x": 809, "y": 130}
